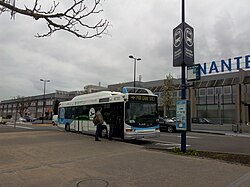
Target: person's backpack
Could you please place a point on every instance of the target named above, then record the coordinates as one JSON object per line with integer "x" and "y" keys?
{"x": 96, "y": 120}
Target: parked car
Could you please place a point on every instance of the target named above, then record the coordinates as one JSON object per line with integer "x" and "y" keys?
{"x": 202, "y": 121}
{"x": 21, "y": 119}
{"x": 55, "y": 119}
{"x": 165, "y": 125}
{"x": 29, "y": 118}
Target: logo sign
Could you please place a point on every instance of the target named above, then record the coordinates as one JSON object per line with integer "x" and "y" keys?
{"x": 91, "y": 113}
{"x": 183, "y": 44}
{"x": 193, "y": 72}
{"x": 178, "y": 37}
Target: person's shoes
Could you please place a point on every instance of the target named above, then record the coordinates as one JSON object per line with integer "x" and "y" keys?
{"x": 110, "y": 139}
{"x": 97, "y": 140}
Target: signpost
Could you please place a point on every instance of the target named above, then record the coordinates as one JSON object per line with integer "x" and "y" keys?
{"x": 183, "y": 55}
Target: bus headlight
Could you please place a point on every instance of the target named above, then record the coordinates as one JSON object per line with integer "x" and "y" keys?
{"x": 129, "y": 130}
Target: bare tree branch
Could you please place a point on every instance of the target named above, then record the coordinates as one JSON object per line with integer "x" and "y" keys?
{"x": 74, "y": 19}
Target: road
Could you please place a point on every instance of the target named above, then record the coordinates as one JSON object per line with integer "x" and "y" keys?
{"x": 207, "y": 142}
{"x": 35, "y": 157}
{"x": 197, "y": 141}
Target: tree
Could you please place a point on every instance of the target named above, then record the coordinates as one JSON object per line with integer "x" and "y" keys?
{"x": 76, "y": 18}
{"x": 168, "y": 100}
{"x": 23, "y": 103}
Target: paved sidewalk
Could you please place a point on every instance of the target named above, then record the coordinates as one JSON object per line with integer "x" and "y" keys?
{"x": 68, "y": 160}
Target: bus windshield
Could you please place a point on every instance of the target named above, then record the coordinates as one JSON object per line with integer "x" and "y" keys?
{"x": 141, "y": 113}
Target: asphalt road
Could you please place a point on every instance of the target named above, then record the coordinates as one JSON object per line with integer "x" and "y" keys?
{"x": 58, "y": 158}
{"x": 197, "y": 141}
{"x": 207, "y": 142}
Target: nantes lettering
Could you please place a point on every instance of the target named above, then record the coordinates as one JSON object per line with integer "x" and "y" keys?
{"x": 231, "y": 64}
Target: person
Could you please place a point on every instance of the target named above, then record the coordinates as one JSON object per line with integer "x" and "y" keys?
{"x": 99, "y": 117}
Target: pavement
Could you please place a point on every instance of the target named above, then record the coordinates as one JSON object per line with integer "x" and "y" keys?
{"x": 64, "y": 159}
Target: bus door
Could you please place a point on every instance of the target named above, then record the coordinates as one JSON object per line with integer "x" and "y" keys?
{"x": 117, "y": 120}
{"x": 75, "y": 123}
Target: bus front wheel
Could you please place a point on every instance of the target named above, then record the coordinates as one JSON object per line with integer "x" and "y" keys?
{"x": 67, "y": 127}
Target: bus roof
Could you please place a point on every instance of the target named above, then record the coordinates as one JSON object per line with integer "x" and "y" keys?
{"x": 94, "y": 98}
{"x": 98, "y": 95}
{"x": 103, "y": 97}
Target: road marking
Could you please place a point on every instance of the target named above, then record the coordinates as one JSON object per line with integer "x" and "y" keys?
{"x": 20, "y": 127}
{"x": 240, "y": 180}
{"x": 173, "y": 145}
{"x": 191, "y": 137}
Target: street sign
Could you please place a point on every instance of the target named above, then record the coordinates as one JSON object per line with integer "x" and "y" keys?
{"x": 183, "y": 45}
{"x": 193, "y": 72}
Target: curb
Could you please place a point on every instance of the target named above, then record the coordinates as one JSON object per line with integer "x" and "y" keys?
{"x": 42, "y": 125}
{"x": 222, "y": 133}
{"x": 209, "y": 132}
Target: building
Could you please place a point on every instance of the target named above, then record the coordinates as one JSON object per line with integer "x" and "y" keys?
{"x": 33, "y": 105}
{"x": 223, "y": 98}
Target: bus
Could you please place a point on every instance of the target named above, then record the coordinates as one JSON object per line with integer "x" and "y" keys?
{"x": 132, "y": 112}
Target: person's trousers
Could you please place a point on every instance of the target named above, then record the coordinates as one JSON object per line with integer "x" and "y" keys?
{"x": 98, "y": 131}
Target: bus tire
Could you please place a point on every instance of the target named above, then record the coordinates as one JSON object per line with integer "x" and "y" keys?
{"x": 104, "y": 132}
{"x": 67, "y": 127}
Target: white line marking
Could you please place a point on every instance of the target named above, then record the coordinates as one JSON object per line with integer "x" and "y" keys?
{"x": 240, "y": 180}
{"x": 170, "y": 144}
{"x": 20, "y": 127}
{"x": 190, "y": 137}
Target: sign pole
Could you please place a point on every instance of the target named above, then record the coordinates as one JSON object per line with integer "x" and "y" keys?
{"x": 183, "y": 55}
{"x": 183, "y": 82}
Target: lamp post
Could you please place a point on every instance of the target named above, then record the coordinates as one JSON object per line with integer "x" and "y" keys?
{"x": 135, "y": 59}
{"x": 44, "y": 88}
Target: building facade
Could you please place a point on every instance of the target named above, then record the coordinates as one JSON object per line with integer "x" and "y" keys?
{"x": 33, "y": 105}
{"x": 222, "y": 98}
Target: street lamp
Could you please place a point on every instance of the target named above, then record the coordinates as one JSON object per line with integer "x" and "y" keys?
{"x": 135, "y": 59}
{"x": 44, "y": 88}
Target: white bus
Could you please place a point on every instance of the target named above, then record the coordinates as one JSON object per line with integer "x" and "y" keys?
{"x": 133, "y": 115}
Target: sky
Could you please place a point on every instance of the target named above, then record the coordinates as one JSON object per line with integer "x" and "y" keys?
{"x": 142, "y": 28}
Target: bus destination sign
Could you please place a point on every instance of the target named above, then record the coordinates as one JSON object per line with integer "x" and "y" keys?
{"x": 142, "y": 98}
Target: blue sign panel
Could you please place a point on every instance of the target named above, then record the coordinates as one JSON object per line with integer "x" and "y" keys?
{"x": 181, "y": 115}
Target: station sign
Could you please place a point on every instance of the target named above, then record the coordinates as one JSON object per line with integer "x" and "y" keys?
{"x": 183, "y": 45}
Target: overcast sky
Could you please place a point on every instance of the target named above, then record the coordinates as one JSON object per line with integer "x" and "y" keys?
{"x": 142, "y": 28}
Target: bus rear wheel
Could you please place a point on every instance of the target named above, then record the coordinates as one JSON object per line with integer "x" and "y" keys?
{"x": 67, "y": 127}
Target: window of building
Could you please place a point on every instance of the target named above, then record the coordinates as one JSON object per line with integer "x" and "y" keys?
{"x": 210, "y": 91}
{"x": 218, "y": 90}
{"x": 202, "y": 92}
{"x": 227, "y": 90}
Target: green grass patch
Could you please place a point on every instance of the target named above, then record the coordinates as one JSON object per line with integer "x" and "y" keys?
{"x": 191, "y": 152}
